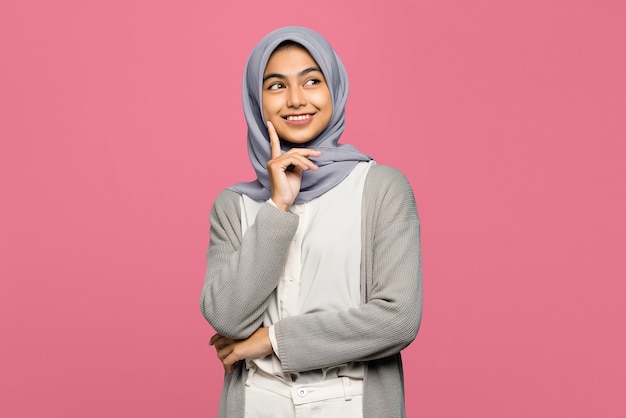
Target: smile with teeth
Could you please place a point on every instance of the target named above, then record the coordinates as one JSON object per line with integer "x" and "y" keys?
{"x": 299, "y": 117}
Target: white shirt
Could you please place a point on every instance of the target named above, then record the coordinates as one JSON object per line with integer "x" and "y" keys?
{"x": 322, "y": 272}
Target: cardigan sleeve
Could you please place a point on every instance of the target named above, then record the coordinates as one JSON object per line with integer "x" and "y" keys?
{"x": 242, "y": 272}
{"x": 391, "y": 271}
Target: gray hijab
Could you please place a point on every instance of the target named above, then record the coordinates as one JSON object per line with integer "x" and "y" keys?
{"x": 337, "y": 160}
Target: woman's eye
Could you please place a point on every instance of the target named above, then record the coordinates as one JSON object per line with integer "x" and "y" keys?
{"x": 312, "y": 82}
{"x": 275, "y": 86}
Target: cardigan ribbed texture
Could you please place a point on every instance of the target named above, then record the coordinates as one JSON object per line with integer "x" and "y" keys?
{"x": 242, "y": 272}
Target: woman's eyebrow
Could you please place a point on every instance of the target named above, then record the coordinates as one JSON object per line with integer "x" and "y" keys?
{"x": 309, "y": 70}
{"x": 283, "y": 77}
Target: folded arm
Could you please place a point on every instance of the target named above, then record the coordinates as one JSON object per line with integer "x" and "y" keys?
{"x": 390, "y": 317}
{"x": 242, "y": 272}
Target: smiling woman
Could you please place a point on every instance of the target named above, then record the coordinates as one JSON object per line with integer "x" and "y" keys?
{"x": 295, "y": 98}
{"x": 313, "y": 281}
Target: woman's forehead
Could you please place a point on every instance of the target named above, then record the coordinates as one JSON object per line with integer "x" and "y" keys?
{"x": 290, "y": 56}
{"x": 288, "y": 45}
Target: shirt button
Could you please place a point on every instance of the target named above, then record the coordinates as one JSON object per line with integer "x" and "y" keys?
{"x": 302, "y": 392}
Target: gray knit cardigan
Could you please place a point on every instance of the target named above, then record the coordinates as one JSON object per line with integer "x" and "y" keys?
{"x": 242, "y": 272}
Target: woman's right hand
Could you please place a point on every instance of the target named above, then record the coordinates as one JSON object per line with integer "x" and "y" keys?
{"x": 230, "y": 351}
{"x": 284, "y": 183}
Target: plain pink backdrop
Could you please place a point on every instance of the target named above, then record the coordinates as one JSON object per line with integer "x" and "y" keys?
{"x": 120, "y": 121}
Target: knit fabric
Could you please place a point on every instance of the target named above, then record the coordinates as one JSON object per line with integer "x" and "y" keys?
{"x": 242, "y": 272}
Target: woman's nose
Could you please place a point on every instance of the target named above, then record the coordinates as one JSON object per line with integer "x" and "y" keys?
{"x": 296, "y": 98}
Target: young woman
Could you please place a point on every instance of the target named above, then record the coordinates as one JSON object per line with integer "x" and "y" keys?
{"x": 313, "y": 282}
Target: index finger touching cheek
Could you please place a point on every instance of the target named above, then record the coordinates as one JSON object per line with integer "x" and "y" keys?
{"x": 274, "y": 141}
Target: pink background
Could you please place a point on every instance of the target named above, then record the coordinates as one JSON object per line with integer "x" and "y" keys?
{"x": 120, "y": 121}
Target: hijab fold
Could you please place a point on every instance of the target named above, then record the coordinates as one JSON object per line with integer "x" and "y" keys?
{"x": 337, "y": 160}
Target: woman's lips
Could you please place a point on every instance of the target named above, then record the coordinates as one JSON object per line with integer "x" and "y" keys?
{"x": 302, "y": 119}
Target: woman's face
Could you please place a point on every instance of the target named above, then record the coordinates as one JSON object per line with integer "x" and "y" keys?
{"x": 295, "y": 98}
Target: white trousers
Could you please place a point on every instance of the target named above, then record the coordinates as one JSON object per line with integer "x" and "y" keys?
{"x": 271, "y": 398}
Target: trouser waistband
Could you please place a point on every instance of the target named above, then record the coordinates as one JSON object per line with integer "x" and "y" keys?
{"x": 341, "y": 387}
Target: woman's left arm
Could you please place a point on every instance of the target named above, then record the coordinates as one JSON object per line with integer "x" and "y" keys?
{"x": 391, "y": 261}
